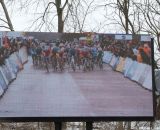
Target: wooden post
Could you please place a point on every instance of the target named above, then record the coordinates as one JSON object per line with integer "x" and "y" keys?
{"x": 89, "y": 125}
{"x": 58, "y": 125}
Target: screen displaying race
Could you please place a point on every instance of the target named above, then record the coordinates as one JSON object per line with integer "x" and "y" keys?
{"x": 45, "y": 74}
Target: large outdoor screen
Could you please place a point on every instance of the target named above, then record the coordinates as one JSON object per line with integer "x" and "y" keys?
{"x": 92, "y": 75}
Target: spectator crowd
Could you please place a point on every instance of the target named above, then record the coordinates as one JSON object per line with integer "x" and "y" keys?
{"x": 140, "y": 52}
{"x": 10, "y": 46}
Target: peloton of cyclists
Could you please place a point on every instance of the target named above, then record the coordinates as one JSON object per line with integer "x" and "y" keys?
{"x": 61, "y": 53}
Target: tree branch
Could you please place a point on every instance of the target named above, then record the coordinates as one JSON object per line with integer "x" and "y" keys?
{"x": 47, "y": 9}
{"x": 65, "y": 4}
{"x": 3, "y": 20}
{"x": 1, "y": 26}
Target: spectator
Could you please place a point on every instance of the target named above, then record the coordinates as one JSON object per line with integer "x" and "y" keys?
{"x": 147, "y": 50}
{"x": 139, "y": 57}
{"x": 142, "y": 56}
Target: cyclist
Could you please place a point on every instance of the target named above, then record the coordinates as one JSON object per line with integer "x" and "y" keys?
{"x": 55, "y": 55}
{"x": 94, "y": 52}
{"x": 33, "y": 53}
{"x": 55, "y": 50}
{"x": 100, "y": 55}
{"x": 38, "y": 52}
{"x": 72, "y": 52}
{"x": 61, "y": 56}
{"x": 46, "y": 53}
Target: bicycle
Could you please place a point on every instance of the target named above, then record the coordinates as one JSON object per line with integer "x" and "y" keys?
{"x": 46, "y": 61}
{"x": 54, "y": 63}
{"x": 73, "y": 63}
{"x": 100, "y": 63}
{"x": 86, "y": 64}
{"x": 61, "y": 63}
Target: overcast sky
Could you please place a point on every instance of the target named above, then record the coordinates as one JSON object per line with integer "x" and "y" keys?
{"x": 22, "y": 20}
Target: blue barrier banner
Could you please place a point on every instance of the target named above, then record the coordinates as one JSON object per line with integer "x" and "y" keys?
{"x": 7, "y": 73}
{"x": 16, "y": 61}
{"x": 107, "y": 57}
{"x": 139, "y": 71}
{"x": 131, "y": 69}
{"x": 3, "y": 82}
{"x": 148, "y": 80}
{"x": 143, "y": 75}
{"x": 114, "y": 61}
{"x": 4, "y": 74}
{"x": 11, "y": 69}
{"x": 1, "y": 90}
{"x": 128, "y": 63}
{"x": 14, "y": 65}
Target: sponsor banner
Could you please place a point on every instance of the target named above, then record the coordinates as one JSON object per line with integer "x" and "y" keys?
{"x": 145, "y": 38}
{"x": 123, "y": 37}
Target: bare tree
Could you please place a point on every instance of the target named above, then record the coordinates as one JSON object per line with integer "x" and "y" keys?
{"x": 8, "y": 22}
{"x": 150, "y": 10}
{"x": 45, "y": 12}
{"x": 78, "y": 13}
{"x": 123, "y": 6}
{"x": 60, "y": 9}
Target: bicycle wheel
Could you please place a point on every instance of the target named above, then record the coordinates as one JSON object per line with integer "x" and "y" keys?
{"x": 101, "y": 64}
{"x": 84, "y": 65}
{"x": 46, "y": 64}
{"x": 54, "y": 63}
{"x": 61, "y": 64}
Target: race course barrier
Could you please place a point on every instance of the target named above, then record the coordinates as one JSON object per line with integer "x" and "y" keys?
{"x": 1, "y": 90}
{"x": 135, "y": 71}
{"x": 139, "y": 71}
{"x": 120, "y": 65}
{"x": 13, "y": 64}
{"x": 23, "y": 55}
{"x": 2, "y": 81}
{"x": 107, "y": 57}
{"x": 114, "y": 62}
{"x": 148, "y": 80}
{"x": 131, "y": 70}
{"x": 127, "y": 65}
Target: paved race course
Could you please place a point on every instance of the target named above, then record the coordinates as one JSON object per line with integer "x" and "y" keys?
{"x": 36, "y": 93}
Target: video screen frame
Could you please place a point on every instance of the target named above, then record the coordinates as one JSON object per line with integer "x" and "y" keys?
{"x": 97, "y": 118}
